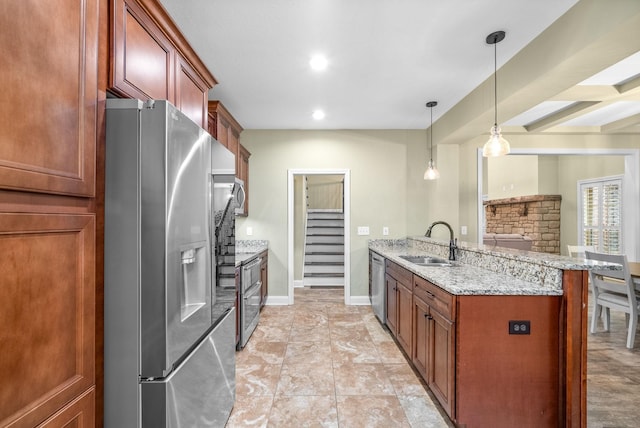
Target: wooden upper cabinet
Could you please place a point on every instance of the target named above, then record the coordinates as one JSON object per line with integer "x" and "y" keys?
{"x": 151, "y": 59}
{"x": 49, "y": 83}
{"x": 142, "y": 56}
{"x": 191, "y": 93}
{"x": 224, "y": 127}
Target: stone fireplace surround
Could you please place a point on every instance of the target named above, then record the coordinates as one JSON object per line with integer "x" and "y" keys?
{"x": 535, "y": 216}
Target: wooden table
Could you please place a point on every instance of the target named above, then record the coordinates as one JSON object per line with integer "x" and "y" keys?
{"x": 634, "y": 270}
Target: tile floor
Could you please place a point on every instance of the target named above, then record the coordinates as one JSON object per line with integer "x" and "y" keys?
{"x": 321, "y": 363}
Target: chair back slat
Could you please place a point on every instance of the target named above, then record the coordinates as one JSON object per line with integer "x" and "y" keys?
{"x": 622, "y": 274}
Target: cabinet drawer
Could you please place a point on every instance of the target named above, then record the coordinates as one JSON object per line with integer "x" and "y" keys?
{"x": 400, "y": 274}
{"x": 434, "y": 296}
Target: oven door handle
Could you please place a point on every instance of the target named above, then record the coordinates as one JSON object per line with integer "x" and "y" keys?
{"x": 253, "y": 290}
{"x": 252, "y": 264}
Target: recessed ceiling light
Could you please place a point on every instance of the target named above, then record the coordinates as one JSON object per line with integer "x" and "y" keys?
{"x": 318, "y": 62}
{"x": 318, "y": 115}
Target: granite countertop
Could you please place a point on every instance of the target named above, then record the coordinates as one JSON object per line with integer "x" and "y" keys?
{"x": 462, "y": 279}
{"x": 484, "y": 271}
{"x": 246, "y": 250}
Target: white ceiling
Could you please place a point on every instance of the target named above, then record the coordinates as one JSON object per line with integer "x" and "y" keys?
{"x": 386, "y": 58}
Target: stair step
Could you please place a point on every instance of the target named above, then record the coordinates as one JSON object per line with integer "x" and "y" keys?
{"x": 337, "y": 258}
{"x": 325, "y": 222}
{"x": 335, "y": 270}
{"x": 324, "y": 215}
{"x": 323, "y": 281}
{"x": 324, "y": 274}
{"x": 324, "y": 248}
{"x": 325, "y": 231}
{"x": 325, "y": 239}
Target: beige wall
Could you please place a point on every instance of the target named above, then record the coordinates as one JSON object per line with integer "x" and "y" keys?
{"x": 387, "y": 188}
{"x": 325, "y": 191}
{"x": 512, "y": 176}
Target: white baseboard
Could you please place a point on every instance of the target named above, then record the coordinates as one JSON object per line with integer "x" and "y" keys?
{"x": 298, "y": 283}
{"x": 360, "y": 301}
{"x": 277, "y": 300}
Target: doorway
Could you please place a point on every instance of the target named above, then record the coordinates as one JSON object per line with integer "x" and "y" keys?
{"x": 294, "y": 227}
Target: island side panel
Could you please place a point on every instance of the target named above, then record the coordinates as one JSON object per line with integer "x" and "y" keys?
{"x": 502, "y": 379}
{"x": 573, "y": 363}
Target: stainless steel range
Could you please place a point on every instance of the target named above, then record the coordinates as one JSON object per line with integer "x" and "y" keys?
{"x": 250, "y": 285}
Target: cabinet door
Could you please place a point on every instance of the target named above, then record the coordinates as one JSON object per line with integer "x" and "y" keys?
{"x": 49, "y": 90}
{"x": 264, "y": 274}
{"x": 392, "y": 302}
{"x": 404, "y": 327}
{"x": 47, "y": 313}
{"x": 191, "y": 93}
{"x": 142, "y": 57}
{"x": 222, "y": 131}
{"x": 79, "y": 414}
{"x": 421, "y": 337}
{"x": 442, "y": 361}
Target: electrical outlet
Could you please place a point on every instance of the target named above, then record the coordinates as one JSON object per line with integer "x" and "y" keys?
{"x": 520, "y": 327}
{"x": 363, "y": 230}
{"x": 463, "y": 230}
{"x": 249, "y": 230}
{"x": 385, "y": 231}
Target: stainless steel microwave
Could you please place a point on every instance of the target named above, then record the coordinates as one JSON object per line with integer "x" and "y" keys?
{"x": 239, "y": 195}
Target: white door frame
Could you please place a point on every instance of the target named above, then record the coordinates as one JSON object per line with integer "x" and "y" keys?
{"x": 347, "y": 218}
{"x": 630, "y": 189}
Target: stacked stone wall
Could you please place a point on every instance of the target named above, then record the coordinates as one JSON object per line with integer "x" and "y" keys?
{"x": 537, "y": 217}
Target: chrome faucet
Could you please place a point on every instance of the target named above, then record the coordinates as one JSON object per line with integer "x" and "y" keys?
{"x": 453, "y": 243}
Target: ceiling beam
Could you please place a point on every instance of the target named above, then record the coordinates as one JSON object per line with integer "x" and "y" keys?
{"x": 621, "y": 124}
{"x": 633, "y": 83}
{"x": 564, "y": 115}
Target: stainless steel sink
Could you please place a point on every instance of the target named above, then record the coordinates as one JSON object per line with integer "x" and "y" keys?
{"x": 427, "y": 260}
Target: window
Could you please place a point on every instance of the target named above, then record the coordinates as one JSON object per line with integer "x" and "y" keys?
{"x": 600, "y": 214}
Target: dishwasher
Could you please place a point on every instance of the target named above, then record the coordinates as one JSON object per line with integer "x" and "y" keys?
{"x": 378, "y": 292}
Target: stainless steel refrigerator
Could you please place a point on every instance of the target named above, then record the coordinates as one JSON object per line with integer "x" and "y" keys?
{"x": 169, "y": 357}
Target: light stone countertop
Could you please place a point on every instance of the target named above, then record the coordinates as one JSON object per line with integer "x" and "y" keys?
{"x": 249, "y": 249}
{"x": 481, "y": 271}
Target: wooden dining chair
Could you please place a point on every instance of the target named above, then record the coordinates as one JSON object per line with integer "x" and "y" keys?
{"x": 613, "y": 289}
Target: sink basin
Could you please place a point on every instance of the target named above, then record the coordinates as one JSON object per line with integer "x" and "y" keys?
{"x": 426, "y": 260}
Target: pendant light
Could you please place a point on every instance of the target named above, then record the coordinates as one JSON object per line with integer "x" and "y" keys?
{"x": 497, "y": 145}
{"x": 432, "y": 172}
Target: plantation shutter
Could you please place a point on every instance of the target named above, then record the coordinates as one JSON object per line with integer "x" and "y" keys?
{"x": 601, "y": 212}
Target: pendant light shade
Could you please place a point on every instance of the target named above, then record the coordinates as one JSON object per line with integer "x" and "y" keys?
{"x": 432, "y": 172}
{"x": 496, "y": 145}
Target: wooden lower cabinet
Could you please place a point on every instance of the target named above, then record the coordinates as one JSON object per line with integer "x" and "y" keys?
{"x": 421, "y": 336}
{"x": 405, "y": 324}
{"x": 264, "y": 278}
{"x": 441, "y": 379}
{"x": 391, "y": 287}
{"x": 399, "y": 304}
{"x": 78, "y": 414}
{"x": 47, "y": 313}
{"x": 434, "y": 340}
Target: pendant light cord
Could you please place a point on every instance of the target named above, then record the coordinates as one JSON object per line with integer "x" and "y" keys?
{"x": 431, "y": 134}
{"x": 495, "y": 80}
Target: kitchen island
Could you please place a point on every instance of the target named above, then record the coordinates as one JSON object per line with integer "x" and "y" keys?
{"x": 499, "y": 335}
